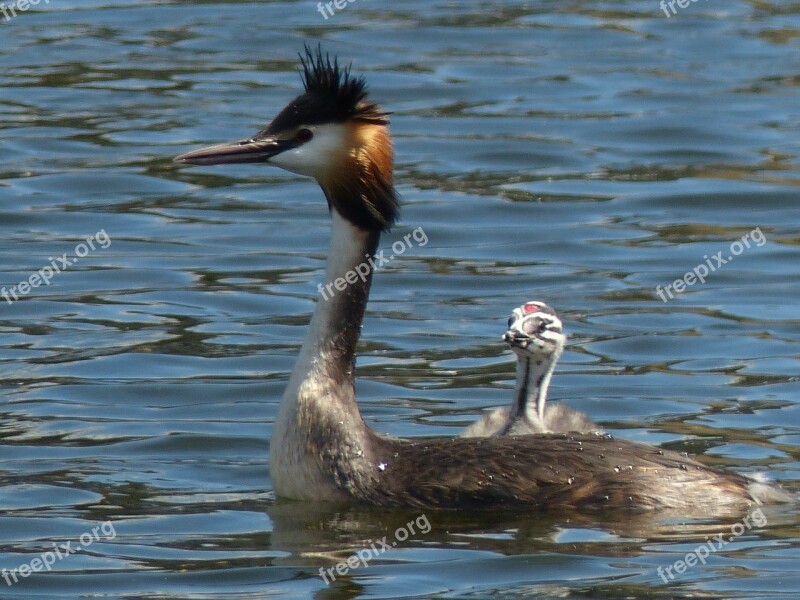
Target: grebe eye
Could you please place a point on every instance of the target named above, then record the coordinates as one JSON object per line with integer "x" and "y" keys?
{"x": 304, "y": 135}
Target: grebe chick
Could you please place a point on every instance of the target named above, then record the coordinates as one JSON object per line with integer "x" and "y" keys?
{"x": 536, "y": 337}
{"x": 321, "y": 449}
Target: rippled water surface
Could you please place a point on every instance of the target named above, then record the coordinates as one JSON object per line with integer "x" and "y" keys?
{"x": 581, "y": 153}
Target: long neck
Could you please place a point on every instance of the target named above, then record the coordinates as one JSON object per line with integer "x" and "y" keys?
{"x": 533, "y": 381}
{"x": 330, "y": 345}
{"x": 319, "y": 441}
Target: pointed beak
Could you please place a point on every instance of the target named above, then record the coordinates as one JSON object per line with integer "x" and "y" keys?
{"x": 254, "y": 150}
{"x": 517, "y": 338}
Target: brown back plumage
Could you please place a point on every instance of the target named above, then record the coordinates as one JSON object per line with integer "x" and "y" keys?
{"x": 581, "y": 471}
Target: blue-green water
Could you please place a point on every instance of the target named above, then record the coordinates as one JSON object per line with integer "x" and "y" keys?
{"x": 580, "y": 153}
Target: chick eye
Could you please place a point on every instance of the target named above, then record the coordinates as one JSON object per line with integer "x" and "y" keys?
{"x": 304, "y": 135}
{"x": 535, "y": 327}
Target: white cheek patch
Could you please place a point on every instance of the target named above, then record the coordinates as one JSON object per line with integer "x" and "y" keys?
{"x": 317, "y": 156}
{"x": 551, "y": 336}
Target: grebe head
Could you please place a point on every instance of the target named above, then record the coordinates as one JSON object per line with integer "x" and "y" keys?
{"x": 535, "y": 332}
{"x": 332, "y": 133}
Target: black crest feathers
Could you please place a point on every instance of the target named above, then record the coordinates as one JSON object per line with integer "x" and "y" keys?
{"x": 333, "y": 95}
{"x": 341, "y": 91}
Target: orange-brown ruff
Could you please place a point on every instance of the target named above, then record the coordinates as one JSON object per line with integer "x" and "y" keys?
{"x": 321, "y": 449}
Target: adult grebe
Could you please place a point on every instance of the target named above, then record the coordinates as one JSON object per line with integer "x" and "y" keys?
{"x": 536, "y": 337}
{"x": 321, "y": 449}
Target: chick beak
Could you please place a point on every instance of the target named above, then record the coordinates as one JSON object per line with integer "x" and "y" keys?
{"x": 515, "y": 337}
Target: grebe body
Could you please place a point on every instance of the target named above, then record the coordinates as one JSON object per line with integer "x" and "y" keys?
{"x": 321, "y": 449}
